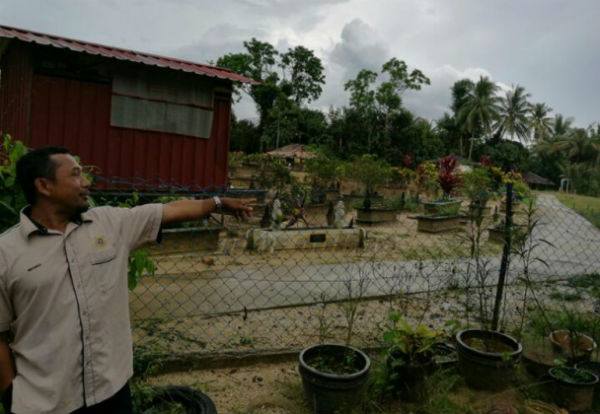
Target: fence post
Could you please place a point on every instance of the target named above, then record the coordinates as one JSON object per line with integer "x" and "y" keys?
{"x": 505, "y": 257}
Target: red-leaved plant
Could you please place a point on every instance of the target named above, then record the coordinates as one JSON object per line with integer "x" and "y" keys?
{"x": 448, "y": 178}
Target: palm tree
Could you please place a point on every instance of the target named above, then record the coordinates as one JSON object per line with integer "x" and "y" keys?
{"x": 579, "y": 147}
{"x": 540, "y": 122}
{"x": 562, "y": 125}
{"x": 460, "y": 94}
{"x": 480, "y": 109}
{"x": 514, "y": 110}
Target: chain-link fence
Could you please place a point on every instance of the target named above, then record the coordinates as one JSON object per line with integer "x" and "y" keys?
{"x": 330, "y": 272}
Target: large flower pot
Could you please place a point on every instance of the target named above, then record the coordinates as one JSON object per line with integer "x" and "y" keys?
{"x": 186, "y": 398}
{"x": 573, "y": 388}
{"x": 436, "y": 208}
{"x": 327, "y": 388}
{"x": 437, "y": 224}
{"x": 408, "y": 380}
{"x": 375, "y": 215}
{"x": 594, "y": 368}
{"x": 487, "y": 359}
{"x": 580, "y": 350}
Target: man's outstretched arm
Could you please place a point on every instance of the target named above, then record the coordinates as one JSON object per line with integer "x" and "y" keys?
{"x": 189, "y": 210}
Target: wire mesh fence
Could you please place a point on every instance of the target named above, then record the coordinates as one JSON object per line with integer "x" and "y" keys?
{"x": 331, "y": 273}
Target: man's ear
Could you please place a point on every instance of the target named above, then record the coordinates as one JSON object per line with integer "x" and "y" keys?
{"x": 42, "y": 185}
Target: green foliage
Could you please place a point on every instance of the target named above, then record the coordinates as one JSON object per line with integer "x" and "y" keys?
{"x": 323, "y": 170}
{"x": 147, "y": 361}
{"x": 402, "y": 176}
{"x": 12, "y": 199}
{"x": 139, "y": 262}
{"x": 477, "y": 185}
{"x": 542, "y": 323}
{"x": 590, "y": 283}
{"x": 369, "y": 171}
{"x": 414, "y": 343}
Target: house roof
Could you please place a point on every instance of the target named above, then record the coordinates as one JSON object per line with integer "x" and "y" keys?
{"x": 292, "y": 151}
{"x": 532, "y": 178}
{"x": 120, "y": 54}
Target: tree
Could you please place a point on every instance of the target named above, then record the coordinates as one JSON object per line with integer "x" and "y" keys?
{"x": 540, "y": 121}
{"x": 305, "y": 74}
{"x": 277, "y": 95}
{"x": 514, "y": 111}
{"x": 362, "y": 101}
{"x": 460, "y": 95}
{"x": 562, "y": 125}
{"x": 389, "y": 93}
{"x": 480, "y": 109}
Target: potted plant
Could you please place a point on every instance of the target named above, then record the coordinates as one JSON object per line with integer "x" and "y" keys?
{"x": 573, "y": 387}
{"x": 487, "y": 359}
{"x": 575, "y": 345}
{"x": 446, "y": 218}
{"x": 448, "y": 180}
{"x": 324, "y": 173}
{"x": 442, "y": 214}
{"x": 477, "y": 186}
{"x": 410, "y": 355}
{"x": 333, "y": 376}
{"x": 370, "y": 172}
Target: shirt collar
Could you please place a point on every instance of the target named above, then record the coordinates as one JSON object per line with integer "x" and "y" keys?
{"x": 30, "y": 226}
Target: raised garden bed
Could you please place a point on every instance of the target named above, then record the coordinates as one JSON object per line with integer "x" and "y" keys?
{"x": 438, "y": 224}
{"x": 260, "y": 195}
{"x": 435, "y": 208}
{"x": 375, "y": 215}
{"x": 186, "y": 240}
{"x": 269, "y": 240}
{"x": 496, "y": 234}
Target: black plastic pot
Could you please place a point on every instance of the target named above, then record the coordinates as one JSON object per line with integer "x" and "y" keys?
{"x": 594, "y": 368}
{"x": 408, "y": 380}
{"x": 193, "y": 401}
{"x": 576, "y": 395}
{"x": 329, "y": 392}
{"x": 488, "y": 370}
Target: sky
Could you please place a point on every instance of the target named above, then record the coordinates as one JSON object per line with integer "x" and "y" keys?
{"x": 550, "y": 47}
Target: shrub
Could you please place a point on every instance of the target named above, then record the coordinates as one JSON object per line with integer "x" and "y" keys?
{"x": 448, "y": 178}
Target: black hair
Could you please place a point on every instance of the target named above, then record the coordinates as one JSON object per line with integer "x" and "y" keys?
{"x": 36, "y": 164}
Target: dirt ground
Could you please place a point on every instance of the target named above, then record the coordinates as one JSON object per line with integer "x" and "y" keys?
{"x": 276, "y": 388}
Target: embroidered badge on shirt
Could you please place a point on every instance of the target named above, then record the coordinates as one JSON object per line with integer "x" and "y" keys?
{"x": 100, "y": 241}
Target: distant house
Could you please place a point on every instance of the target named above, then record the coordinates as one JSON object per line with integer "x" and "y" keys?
{"x": 293, "y": 153}
{"x": 131, "y": 114}
{"x": 537, "y": 182}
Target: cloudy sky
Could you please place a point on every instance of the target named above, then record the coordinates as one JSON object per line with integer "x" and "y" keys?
{"x": 551, "y": 47}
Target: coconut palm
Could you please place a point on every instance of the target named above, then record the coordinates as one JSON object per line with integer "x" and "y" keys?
{"x": 562, "y": 125}
{"x": 460, "y": 93}
{"x": 579, "y": 147}
{"x": 480, "y": 109}
{"x": 514, "y": 110}
{"x": 540, "y": 121}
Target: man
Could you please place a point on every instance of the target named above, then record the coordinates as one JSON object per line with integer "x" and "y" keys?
{"x": 65, "y": 337}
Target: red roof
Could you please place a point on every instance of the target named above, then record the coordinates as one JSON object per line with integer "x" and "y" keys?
{"x": 121, "y": 54}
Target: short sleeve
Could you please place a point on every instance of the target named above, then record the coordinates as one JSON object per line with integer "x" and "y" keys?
{"x": 6, "y": 312}
{"x": 140, "y": 225}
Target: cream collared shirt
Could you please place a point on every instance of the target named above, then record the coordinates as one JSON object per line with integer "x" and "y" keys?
{"x": 64, "y": 298}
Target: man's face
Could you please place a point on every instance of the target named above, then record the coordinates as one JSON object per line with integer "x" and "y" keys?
{"x": 70, "y": 188}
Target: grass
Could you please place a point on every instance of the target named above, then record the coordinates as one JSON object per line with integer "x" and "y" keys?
{"x": 588, "y": 207}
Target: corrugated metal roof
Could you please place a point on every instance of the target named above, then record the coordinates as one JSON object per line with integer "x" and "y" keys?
{"x": 121, "y": 54}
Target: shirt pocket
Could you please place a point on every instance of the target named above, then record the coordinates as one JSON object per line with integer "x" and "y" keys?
{"x": 103, "y": 268}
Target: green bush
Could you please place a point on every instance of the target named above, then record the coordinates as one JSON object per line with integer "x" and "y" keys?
{"x": 12, "y": 199}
